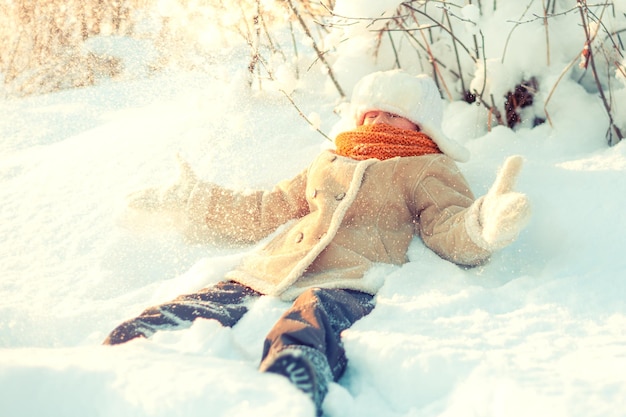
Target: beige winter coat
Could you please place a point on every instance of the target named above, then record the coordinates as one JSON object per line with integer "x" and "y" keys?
{"x": 340, "y": 217}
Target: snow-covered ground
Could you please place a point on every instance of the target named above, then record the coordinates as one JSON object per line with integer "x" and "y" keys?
{"x": 538, "y": 331}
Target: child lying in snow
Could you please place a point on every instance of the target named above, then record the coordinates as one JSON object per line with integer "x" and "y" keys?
{"x": 391, "y": 177}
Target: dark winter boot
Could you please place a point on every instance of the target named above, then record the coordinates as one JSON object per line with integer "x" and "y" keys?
{"x": 306, "y": 368}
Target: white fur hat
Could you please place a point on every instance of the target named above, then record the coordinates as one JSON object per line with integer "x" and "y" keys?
{"x": 413, "y": 97}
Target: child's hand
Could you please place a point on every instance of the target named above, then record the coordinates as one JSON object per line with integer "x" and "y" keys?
{"x": 171, "y": 197}
{"x": 504, "y": 212}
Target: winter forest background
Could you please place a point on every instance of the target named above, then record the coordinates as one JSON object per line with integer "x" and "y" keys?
{"x": 97, "y": 96}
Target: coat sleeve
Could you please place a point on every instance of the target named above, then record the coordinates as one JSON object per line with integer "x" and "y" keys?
{"x": 219, "y": 214}
{"x": 444, "y": 204}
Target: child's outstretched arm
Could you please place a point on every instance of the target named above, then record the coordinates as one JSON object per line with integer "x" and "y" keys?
{"x": 204, "y": 211}
{"x": 464, "y": 230}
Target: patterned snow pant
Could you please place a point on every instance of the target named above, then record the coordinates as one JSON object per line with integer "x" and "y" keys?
{"x": 314, "y": 321}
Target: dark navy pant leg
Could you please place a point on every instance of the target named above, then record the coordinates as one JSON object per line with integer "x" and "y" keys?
{"x": 315, "y": 322}
{"x": 224, "y": 302}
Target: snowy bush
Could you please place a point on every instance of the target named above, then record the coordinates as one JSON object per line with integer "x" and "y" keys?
{"x": 41, "y": 42}
{"x": 463, "y": 46}
{"x": 508, "y": 57}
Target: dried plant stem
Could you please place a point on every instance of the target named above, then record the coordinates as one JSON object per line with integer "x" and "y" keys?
{"x": 293, "y": 103}
{"x": 424, "y": 47}
{"x": 591, "y": 58}
{"x": 482, "y": 90}
{"x": 553, "y": 89}
{"x": 10, "y": 70}
{"x": 456, "y": 50}
{"x": 493, "y": 108}
{"x": 444, "y": 28}
{"x": 508, "y": 38}
{"x": 395, "y": 50}
{"x": 255, "y": 45}
{"x": 545, "y": 25}
{"x": 295, "y": 49}
{"x": 436, "y": 67}
{"x": 319, "y": 53}
{"x": 274, "y": 46}
{"x": 620, "y": 68}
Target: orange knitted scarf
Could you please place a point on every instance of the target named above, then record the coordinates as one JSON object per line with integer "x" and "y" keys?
{"x": 382, "y": 141}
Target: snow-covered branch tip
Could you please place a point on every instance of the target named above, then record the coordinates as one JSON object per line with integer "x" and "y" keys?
{"x": 293, "y": 103}
{"x": 589, "y": 60}
{"x": 318, "y": 51}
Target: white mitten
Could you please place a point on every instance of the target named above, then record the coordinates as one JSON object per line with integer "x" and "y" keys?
{"x": 503, "y": 212}
{"x": 171, "y": 197}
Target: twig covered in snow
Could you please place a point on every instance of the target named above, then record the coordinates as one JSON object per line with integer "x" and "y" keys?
{"x": 589, "y": 59}
{"x": 319, "y": 53}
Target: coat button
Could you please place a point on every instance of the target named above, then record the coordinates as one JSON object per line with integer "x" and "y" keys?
{"x": 314, "y": 194}
{"x": 340, "y": 196}
{"x": 299, "y": 237}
